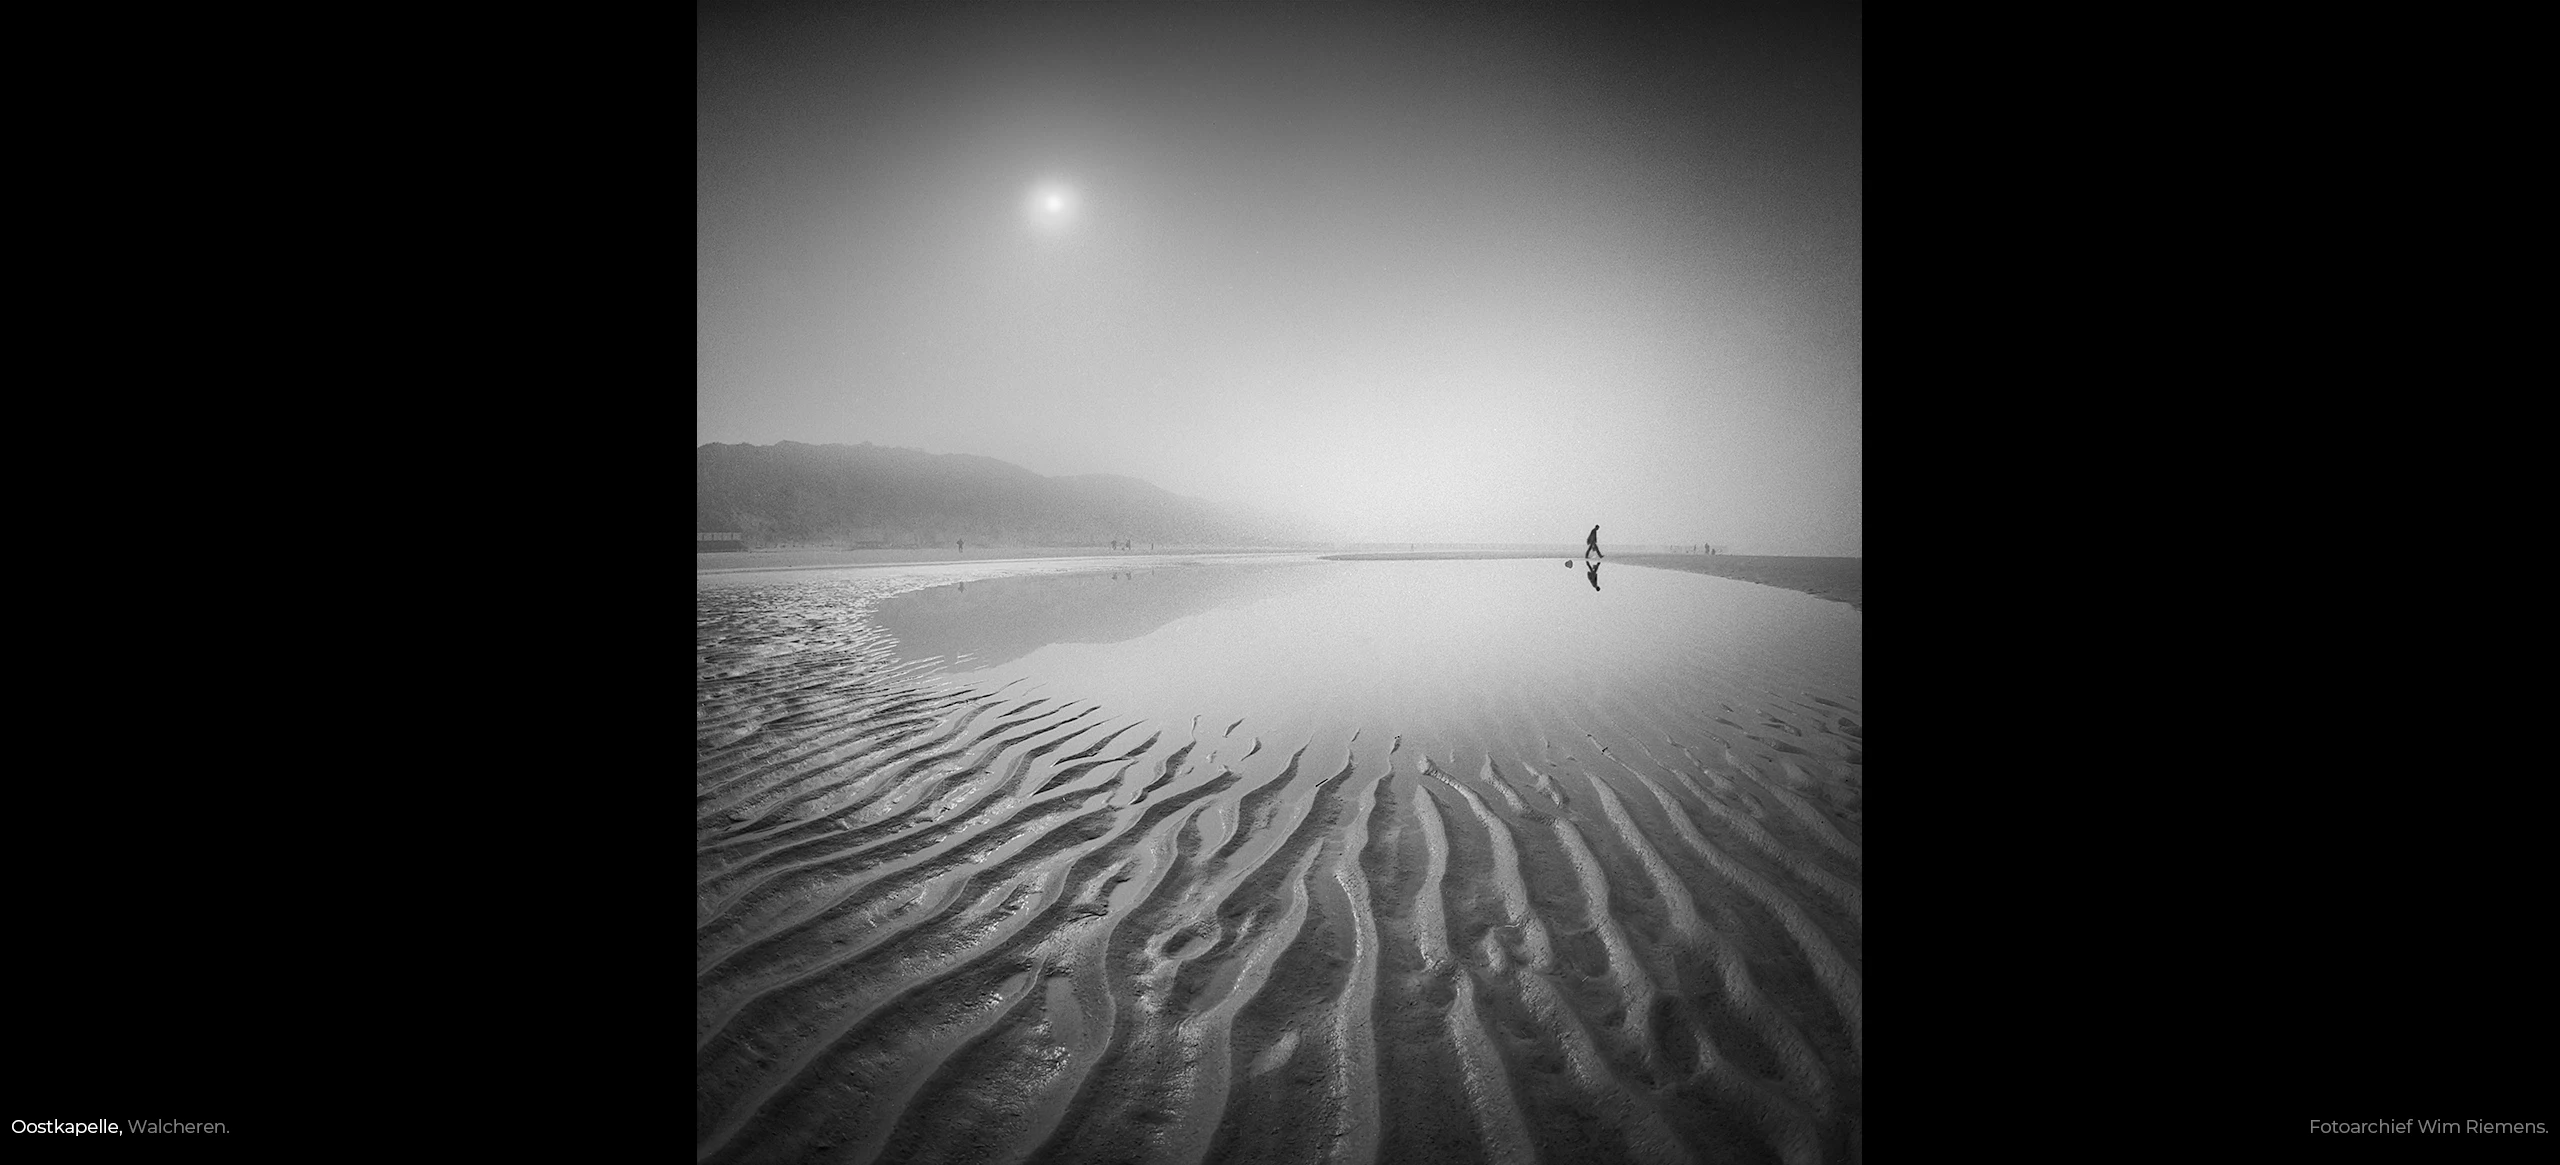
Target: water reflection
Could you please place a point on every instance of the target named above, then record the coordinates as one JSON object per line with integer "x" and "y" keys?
{"x": 1595, "y": 576}
{"x": 1004, "y": 618}
{"x": 1399, "y": 647}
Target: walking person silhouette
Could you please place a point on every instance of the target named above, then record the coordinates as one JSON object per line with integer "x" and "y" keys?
{"x": 1591, "y": 545}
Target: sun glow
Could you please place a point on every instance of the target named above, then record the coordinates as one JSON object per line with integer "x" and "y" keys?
{"x": 1051, "y": 206}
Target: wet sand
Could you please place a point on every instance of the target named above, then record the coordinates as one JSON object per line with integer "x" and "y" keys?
{"x": 817, "y": 557}
{"x": 1838, "y": 579}
{"x": 989, "y": 922}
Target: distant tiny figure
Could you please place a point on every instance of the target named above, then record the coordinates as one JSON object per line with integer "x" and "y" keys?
{"x": 1591, "y": 546}
{"x": 1595, "y": 576}
{"x": 964, "y": 545}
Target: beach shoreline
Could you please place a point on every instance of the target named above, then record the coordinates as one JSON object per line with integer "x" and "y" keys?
{"x": 1841, "y": 580}
{"x": 1837, "y": 579}
{"x": 820, "y": 558}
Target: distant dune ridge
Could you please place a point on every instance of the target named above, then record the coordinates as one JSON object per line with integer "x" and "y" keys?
{"x": 850, "y": 494}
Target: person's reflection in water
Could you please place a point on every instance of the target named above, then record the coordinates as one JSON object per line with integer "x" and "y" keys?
{"x": 1595, "y": 575}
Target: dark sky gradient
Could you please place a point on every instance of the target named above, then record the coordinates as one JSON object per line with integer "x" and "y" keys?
{"x": 1417, "y": 274}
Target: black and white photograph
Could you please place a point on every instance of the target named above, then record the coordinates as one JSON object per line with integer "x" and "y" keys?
{"x": 1139, "y": 714}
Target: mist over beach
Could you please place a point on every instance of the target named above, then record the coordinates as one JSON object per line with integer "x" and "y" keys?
{"x": 1407, "y": 275}
{"x": 1278, "y": 583}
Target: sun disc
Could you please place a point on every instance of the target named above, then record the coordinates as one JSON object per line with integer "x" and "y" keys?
{"x": 1051, "y": 205}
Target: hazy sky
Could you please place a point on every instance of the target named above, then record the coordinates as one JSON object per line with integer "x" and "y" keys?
{"x": 1418, "y": 274}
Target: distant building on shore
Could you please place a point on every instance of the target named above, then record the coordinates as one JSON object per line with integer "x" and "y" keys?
{"x": 720, "y": 540}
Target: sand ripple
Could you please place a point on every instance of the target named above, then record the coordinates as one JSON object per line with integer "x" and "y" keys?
{"x": 975, "y": 924}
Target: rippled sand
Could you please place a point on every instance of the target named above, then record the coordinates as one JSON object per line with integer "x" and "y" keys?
{"x": 947, "y": 916}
